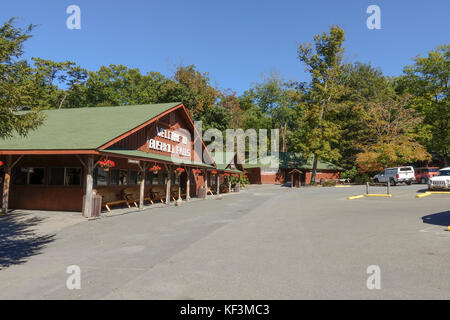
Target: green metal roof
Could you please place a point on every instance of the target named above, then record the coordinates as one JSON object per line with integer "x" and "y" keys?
{"x": 289, "y": 160}
{"x": 156, "y": 157}
{"x": 222, "y": 159}
{"x": 84, "y": 128}
{"x": 233, "y": 171}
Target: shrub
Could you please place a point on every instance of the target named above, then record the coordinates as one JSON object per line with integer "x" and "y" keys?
{"x": 329, "y": 183}
{"x": 362, "y": 178}
{"x": 350, "y": 174}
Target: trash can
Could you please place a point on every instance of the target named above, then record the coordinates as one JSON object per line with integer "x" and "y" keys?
{"x": 201, "y": 192}
{"x": 96, "y": 205}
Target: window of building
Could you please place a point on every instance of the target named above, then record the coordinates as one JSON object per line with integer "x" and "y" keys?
{"x": 20, "y": 175}
{"x": 149, "y": 178}
{"x": 59, "y": 176}
{"x": 100, "y": 177}
{"x": 123, "y": 177}
{"x": 162, "y": 177}
{"x": 133, "y": 177}
{"x": 36, "y": 176}
{"x": 56, "y": 176}
{"x": 72, "y": 177}
{"x": 114, "y": 176}
{"x": 33, "y": 176}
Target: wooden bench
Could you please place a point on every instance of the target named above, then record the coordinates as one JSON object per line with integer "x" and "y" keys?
{"x": 158, "y": 193}
{"x": 210, "y": 191}
{"x": 133, "y": 194}
{"x": 110, "y": 198}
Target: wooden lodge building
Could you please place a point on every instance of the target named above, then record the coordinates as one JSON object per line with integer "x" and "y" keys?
{"x": 126, "y": 154}
{"x": 289, "y": 167}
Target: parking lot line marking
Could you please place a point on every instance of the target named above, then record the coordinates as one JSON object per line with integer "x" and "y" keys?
{"x": 426, "y": 194}
{"x": 355, "y": 197}
{"x": 378, "y": 195}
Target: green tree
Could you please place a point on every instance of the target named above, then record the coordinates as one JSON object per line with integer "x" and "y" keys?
{"x": 51, "y": 76}
{"x": 17, "y": 88}
{"x": 393, "y": 136}
{"x": 428, "y": 81}
{"x": 319, "y": 132}
{"x": 365, "y": 85}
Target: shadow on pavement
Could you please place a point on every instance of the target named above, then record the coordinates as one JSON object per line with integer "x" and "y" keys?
{"x": 17, "y": 239}
{"x": 439, "y": 219}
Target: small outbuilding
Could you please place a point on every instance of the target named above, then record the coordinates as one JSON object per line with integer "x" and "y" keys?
{"x": 296, "y": 176}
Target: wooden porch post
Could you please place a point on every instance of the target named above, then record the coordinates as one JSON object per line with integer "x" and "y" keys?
{"x": 188, "y": 184}
{"x": 87, "y": 206}
{"x": 206, "y": 184}
{"x": 168, "y": 181}
{"x": 229, "y": 184}
{"x": 239, "y": 184}
{"x": 218, "y": 183}
{"x": 6, "y": 183}
{"x": 142, "y": 186}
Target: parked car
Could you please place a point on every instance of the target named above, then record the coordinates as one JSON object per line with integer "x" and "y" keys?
{"x": 396, "y": 175}
{"x": 423, "y": 174}
{"x": 440, "y": 181}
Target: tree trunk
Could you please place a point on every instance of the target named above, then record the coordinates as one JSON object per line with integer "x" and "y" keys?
{"x": 314, "y": 169}
{"x": 6, "y": 183}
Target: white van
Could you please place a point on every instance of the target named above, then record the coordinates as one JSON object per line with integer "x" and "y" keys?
{"x": 396, "y": 175}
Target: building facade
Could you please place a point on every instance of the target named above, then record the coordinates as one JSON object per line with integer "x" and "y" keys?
{"x": 126, "y": 155}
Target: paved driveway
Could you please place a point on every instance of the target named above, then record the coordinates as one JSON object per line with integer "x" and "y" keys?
{"x": 268, "y": 242}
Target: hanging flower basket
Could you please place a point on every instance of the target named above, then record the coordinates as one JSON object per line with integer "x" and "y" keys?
{"x": 178, "y": 171}
{"x": 236, "y": 175}
{"x": 226, "y": 174}
{"x": 106, "y": 164}
{"x": 196, "y": 172}
{"x": 1, "y": 163}
{"x": 214, "y": 172}
{"x": 155, "y": 169}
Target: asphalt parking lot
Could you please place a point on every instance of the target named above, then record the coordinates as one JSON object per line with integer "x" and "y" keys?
{"x": 267, "y": 242}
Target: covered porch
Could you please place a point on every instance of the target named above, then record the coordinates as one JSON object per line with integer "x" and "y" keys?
{"x": 72, "y": 182}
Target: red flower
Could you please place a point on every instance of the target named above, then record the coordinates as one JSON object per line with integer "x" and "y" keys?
{"x": 155, "y": 168}
{"x": 179, "y": 170}
{"x": 1, "y": 163}
{"x": 214, "y": 172}
{"x": 226, "y": 174}
{"x": 105, "y": 164}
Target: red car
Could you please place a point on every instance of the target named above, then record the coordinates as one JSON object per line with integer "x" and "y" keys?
{"x": 423, "y": 174}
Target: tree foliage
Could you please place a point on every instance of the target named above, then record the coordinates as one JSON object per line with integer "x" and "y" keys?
{"x": 18, "y": 89}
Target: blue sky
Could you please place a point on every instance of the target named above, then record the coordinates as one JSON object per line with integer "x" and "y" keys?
{"x": 235, "y": 41}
